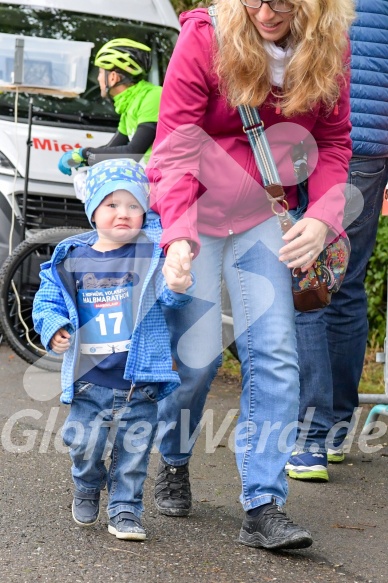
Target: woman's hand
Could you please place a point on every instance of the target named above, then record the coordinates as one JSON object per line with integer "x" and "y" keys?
{"x": 60, "y": 342}
{"x": 176, "y": 269}
{"x": 305, "y": 240}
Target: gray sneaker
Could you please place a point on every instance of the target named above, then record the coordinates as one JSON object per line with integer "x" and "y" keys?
{"x": 86, "y": 508}
{"x": 172, "y": 489}
{"x": 272, "y": 529}
{"x": 126, "y": 526}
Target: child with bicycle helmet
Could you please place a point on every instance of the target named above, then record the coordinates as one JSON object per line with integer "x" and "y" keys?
{"x": 123, "y": 65}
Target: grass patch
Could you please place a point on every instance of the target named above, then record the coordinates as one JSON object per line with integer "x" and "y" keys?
{"x": 230, "y": 365}
{"x": 372, "y": 379}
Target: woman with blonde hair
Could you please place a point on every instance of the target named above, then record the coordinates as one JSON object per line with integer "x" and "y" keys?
{"x": 289, "y": 59}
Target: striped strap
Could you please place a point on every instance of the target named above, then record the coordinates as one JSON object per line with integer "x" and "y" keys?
{"x": 254, "y": 129}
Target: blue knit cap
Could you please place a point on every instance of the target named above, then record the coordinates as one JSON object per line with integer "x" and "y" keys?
{"x": 117, "y": 174}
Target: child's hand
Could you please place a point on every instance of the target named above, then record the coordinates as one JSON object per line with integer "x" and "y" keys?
{"x": 60, "y": 342}
{"x": 176, "y": 280}
{"x": 180, "y": 284}
{"x": 176, "y": 269}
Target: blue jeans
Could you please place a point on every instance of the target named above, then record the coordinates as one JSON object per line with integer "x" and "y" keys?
{"x": 332, "y": 342}
{"x": 260, "y": 292}
{"x": 102, "y": 424}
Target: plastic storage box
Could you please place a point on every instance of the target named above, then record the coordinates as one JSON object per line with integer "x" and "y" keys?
{"x": 44, "y": 65}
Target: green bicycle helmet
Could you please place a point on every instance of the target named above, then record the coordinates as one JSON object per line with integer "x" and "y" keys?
{"x": 124, "y": 54}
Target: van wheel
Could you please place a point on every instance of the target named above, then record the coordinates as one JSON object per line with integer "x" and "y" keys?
{"x": 19, "y": 282}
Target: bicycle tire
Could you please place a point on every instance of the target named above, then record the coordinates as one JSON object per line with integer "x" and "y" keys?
{"x": 22, "y": 267}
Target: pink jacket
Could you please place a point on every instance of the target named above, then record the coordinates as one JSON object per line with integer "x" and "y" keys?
{"x": 203, "y": 174}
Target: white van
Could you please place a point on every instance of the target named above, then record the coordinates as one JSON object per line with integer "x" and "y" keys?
{"x": 60, "y": 122}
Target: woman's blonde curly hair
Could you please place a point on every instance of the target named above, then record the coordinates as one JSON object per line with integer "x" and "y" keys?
{"x": 319, "y": 37}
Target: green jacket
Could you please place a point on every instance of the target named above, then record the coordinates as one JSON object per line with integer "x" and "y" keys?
{"x": 138, "y": 104}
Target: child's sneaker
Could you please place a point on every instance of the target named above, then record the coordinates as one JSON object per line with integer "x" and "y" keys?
{"x": 86, "y": 508}
{"x": 308, "y": 466}
{"x": 335, "y": 456}
{"x": 126, "y": 526}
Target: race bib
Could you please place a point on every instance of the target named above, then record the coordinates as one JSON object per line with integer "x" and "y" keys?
{"x": 105, "y": 316}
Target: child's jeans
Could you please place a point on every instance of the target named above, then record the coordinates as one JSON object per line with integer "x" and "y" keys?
{"x": 102, "y": 424}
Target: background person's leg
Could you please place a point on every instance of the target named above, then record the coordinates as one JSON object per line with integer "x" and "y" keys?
{"x": 332, "y": 342}
{"x": 309, "y": 459}
{"x": 316, "y": 387}
{"x": 346, "y": 317}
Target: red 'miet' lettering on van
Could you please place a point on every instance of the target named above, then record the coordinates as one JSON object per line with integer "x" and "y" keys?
{"x": 52, "y": 145}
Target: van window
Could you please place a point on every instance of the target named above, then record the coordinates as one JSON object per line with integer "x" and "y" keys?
{"x": 88, "y": 109}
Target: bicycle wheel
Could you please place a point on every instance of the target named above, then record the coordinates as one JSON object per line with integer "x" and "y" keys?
{"x": 19, "y": 282}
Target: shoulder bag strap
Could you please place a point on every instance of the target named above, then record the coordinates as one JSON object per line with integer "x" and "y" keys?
{"x": 253, "y": 127}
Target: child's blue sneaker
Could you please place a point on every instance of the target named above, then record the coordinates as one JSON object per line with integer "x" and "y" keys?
{"x": 86, "y": 508}
{"x": 308, "y": 466}
{"x": 126, "y": 526}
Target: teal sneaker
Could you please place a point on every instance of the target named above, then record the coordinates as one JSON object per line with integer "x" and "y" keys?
{"x": 308, "y": 466}
{"x": 335, "y": 456}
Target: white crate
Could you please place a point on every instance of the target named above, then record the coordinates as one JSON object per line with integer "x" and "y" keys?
{"x": 50, "y": 66}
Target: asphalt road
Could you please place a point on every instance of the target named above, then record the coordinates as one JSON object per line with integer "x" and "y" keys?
{"x": 40, "y": 542}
